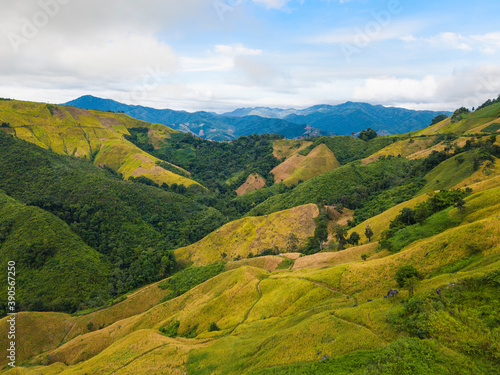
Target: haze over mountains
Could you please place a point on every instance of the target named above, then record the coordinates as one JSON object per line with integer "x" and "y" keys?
{"x": 317, "y": 120}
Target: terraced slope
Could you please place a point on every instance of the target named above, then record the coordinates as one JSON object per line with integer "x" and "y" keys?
{"x": 91, "y": 134}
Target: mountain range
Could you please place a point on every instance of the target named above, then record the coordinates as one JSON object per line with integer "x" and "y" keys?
{"x": 341, "y": 119}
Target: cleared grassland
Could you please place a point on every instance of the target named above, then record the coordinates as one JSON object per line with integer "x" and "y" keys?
{"x": 251, "y": 235}
{"x": 321, "y": 260}
{"x": 302, "y": 168}
{"x": 90, "y": 134}
{"x": 134, "y": 304}
{"x": 404, "y": 148}
{"x": 285, "y": 148}
{"x": 253, "y": 182}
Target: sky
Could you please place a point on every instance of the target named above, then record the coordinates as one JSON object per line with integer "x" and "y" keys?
{"x": 219, "y": 55}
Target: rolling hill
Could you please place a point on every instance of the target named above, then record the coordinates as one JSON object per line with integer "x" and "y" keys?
{"x": 95, "y": 135}
{"x": 328, "y": 306}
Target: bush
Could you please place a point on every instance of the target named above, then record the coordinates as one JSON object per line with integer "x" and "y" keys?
{"x": 213, "y": 327}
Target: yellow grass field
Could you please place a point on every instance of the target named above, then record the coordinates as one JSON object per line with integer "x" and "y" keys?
{"x": 302, "y": 168}
{"x": 251, "y": 235}
{"x": 90, "y": 134}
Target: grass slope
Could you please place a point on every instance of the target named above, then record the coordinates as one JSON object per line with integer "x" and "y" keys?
{"x": 92, "y": 134}
{"x": 251, "y": 235}
{"x": 302, "y": 168}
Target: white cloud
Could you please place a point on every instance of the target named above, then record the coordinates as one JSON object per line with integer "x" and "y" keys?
{"x": 272, "y": 4}
{"x": 487, "y": 44}
{"x": 469, "y": 87}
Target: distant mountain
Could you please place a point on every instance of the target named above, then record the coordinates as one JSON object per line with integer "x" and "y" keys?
{"x": 204, "y": 124}
{"x": 349, "y": 117}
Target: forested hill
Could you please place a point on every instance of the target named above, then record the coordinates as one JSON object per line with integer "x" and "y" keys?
{"x": 133, "y": 226}
{"x": 318, "y": 120}
{"x": 203, "y": 124}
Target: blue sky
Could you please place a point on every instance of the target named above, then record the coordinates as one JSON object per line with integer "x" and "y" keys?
{"x": 218, "y": 55}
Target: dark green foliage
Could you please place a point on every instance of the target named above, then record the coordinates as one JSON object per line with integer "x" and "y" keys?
{"x": 459, "y": 114}
{"x": 5, "y": 125}
{"x": 312, "y": 246}
{"x": 488, "y": 102}
{"x": 340, "y": 233}
{"x": 438, "y": 118}
{"x": 321, "y": 230}
{"x": 368, "y": 233}
{"x": 292, "y": 243}
{"x": 351, "y": 185}
{"x": 213, "y": 327}
{"x": 426, "y": 220}
{"x": 56, "y": 270}
{"x": 170, "y": 329}
{"x": 133, "y": 225}
{"x": 188, "y": 278}
{"x": 50, "y": 107}
{"x": 354, "y": 238}
{"x": 492, "y": 128}
{"x": 368, "y": 134}
{"x": 404, "y": 274}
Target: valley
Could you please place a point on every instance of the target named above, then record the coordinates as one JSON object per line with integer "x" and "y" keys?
{"x": 141, "y": 249}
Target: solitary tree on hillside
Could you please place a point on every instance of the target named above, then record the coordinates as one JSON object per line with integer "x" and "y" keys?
{"x": 321, "y": 232}
{"x": 368, "y": 233}
{"x": 354, "y": 238}
{"x": 340, "y": 234}
{"x": 292, "y": 243}
{"x": 407, "y": 277}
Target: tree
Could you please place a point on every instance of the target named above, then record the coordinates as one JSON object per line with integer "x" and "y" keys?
{"x": 407, "y": 277}
{"x": 460, "y": 204}
{"x": 367, "y": 134}
{"x": 439, "y": 118}
{"x": 368, "y": 233}
{"x": 292, "y": 244}
{"x": 321, "y": 232}
{"x": 422, "y": 212}
{"x": 354, "y": 238}
{"x": 340, "y": 234}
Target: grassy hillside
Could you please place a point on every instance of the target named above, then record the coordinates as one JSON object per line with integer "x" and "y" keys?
{"x": 251, "y": 235}
{"x": 132, "y": 225}
{"x": 357, "y": 183}
{"x": 96, "y": 135}
{"x": 253, "y": 182}
{"x": 299, "y": 168}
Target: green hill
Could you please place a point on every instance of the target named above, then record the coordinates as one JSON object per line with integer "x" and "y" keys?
{"x": 99, "y": 136}
{"x": 333, "y": 312}
{"x": 132, "y": 225}
{"x": 55, "y": 269}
